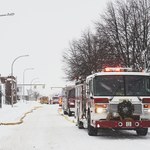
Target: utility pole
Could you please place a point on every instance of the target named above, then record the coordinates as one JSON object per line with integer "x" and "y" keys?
{"x": 12, "y": 76}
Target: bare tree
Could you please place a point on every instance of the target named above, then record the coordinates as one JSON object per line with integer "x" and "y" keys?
{"x": 78, "y": 58}
{"x": 126, "y": 23}
{"x": 88, "y": 54}
{"x": 122, "y": 38}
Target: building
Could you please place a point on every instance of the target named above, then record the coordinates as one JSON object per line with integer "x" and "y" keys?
{"x": 9, "y": 85}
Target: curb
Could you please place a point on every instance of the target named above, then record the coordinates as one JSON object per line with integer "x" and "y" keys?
{"x": 66, "y": 117}
{"x": 21, "y": 119}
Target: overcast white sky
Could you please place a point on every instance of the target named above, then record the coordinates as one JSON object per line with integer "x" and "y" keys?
{"x": 42, "y": 29}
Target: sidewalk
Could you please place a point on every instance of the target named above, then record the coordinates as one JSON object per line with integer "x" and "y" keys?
{"x": 9, "y": 114}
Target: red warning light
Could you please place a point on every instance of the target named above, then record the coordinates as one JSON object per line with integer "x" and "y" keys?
{"x": 112, "y": 69}
{"x": 117, "y": 69}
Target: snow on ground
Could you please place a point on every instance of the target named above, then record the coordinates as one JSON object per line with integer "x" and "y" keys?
{"x": 58, "y": 132}
{"x": 9, "y": 114}
{"x": 13, "y": 114}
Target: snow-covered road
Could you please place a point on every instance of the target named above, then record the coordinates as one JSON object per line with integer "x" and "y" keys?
{"x": 47, "y": 129}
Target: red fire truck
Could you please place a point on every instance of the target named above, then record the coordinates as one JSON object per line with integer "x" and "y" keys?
{"x": 68, "y": 100}
{"x": 116, "y": 98}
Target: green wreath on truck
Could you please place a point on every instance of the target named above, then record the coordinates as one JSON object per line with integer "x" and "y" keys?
{"x": 125, "y": 109}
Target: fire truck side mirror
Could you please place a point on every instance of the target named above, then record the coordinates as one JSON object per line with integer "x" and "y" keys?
{"x": 65, "y": 93}
{"x": 91, "y": 97}
{"x": 87, "y": 92}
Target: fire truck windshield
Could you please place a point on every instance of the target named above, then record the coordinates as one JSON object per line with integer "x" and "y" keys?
{"x": 121, "y": 85}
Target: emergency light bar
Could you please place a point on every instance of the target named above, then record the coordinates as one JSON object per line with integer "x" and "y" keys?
{"x": 118, "y": 69}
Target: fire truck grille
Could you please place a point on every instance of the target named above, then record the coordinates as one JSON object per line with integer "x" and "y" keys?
{"x": 137, "y": 108}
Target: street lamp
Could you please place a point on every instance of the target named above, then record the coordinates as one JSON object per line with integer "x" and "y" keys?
{"x": 24, "y": 79}
{"x": 12, "y": 65}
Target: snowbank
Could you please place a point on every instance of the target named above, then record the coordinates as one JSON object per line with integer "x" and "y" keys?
{"x": 9, "y": 114}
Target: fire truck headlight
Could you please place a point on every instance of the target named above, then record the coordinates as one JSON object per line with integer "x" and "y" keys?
{"x": 147, "y": 107}
{"x": 71, "y": 103}
{"x": 100, "y": 108}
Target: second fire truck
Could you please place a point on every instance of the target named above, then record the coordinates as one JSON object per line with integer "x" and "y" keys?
{"x": 116, "y": 98}
{"x": 68, "y": 100}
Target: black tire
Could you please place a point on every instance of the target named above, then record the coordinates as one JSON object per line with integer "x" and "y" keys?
{"x": 65, "y": 113}
{"x": 91, "y": 130}
{"x": 80, "y": 124}
{"x": 70, "y": 113}
{"x": 142, "y": 131}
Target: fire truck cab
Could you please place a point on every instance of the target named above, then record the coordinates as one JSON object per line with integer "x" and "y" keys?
{"x": 116, "y": 98}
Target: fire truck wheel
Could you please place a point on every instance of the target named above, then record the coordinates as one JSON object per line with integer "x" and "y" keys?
{"x": 70, "y": 113}
{"x": 65, "y": 113}
{"x": 91, "y": 130}
{"x": 80, "y": 124}
{"x": 142, "y": 131}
